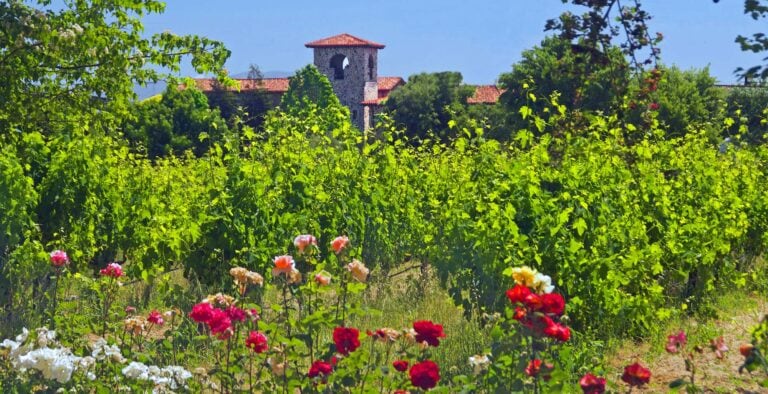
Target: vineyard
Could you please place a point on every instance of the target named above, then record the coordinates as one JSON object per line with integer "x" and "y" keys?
{"x": 251, "y": 263}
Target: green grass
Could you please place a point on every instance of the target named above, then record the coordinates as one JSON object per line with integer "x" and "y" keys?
{"x": 398, "y": 301}
{"x": 408, "y": 298}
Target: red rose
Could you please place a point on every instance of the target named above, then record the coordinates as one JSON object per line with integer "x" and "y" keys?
{"x": 553, "y": 303}
{"x": 220, "y": 324}
{"x": 591, "y": 384}
{"x": 113, "y": 270}
{"x": 257, "y": 342}
{"x": 59, "y": 258}
{"x": 538, "y": 323}
{"x": 519, "y": 314}
{"x": 428, "y": 332}
{"x": 533, "y": 301}
{"x": 235, "y": 314}
{"x": 533, "y": 368}
{"x": 253, "y": 314}
{"x": 425, "y": 374}
{"x": 636, "y": 375}
{"x": 400, "y": 365}
{"x": 346, "y": 339}
{"x": 654, "y": 106}
{"x": 319, "y": 368}
{"x": 201, "y": 312}
{"x": 746, "y": 349}
{"x": 564, "y": 334}
{"x": 518, "y": 293}
{"x": 155, "y": 318}
{"x": 558, "y": 331}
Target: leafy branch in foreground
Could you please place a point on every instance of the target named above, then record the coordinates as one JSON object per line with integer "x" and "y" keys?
{"x": 76, "y": 65}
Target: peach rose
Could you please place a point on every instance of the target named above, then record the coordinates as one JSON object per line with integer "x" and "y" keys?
{"x": 358, "y": 270}
{"x": 323, "y": 278}
{"x": 339, "y": 243}
{"x": 302, "y": 241}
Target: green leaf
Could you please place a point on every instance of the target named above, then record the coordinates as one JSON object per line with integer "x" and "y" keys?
{"x": 580, "y": 225}
{"x": 525, "y": 112}
{"x": 678, "y": 383}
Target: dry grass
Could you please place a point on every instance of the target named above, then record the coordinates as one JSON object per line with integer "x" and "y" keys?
{"x": 737, "y": 315}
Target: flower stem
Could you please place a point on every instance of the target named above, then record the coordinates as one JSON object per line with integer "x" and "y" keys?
{"x": 229, "y": 347}
{"x": 386, "y": 361}
{"x": 286, "y": 315}
{"x": 55, "y": 298}
{"x": 309, "y": 328}
{"x": 107, "y": 305}
{"x": 368, "y": 366}
{"x": 341, "y": 303}
{"x": 250, "y": 372}
{"x": 533, "y": 357}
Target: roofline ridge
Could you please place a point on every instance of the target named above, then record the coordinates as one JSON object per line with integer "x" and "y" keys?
{"x": 364, "y": 42}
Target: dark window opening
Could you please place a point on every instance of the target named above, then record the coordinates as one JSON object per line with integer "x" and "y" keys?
{"x": 339, "y": 63}
{"x": 370, "y": 68}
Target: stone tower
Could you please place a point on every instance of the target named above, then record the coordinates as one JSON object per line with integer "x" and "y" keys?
{"x": 351, "y": 64}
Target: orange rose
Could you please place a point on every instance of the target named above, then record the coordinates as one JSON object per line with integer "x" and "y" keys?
{"x": 339, "y": 243}
{"x": 283, "y": 265}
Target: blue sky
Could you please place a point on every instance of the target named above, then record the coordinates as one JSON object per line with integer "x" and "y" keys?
{"x": 480, "y": 38}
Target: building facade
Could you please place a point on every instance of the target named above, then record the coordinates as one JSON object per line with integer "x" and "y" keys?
{"x": 352, "y": 66}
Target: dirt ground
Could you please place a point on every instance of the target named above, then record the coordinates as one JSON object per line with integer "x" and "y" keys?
{"x": 713, "y": 375}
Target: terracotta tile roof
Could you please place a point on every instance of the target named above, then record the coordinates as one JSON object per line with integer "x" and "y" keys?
{"x": 270, "y": 85}
{"x": 343, "y": 40}
{"x": 388, "y": 83}
{"x": 386, "y": 86}
{"x": 485, "y": 94}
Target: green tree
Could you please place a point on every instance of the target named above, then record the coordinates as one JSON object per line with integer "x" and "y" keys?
{"x": 246, "y": 106}
{"x": 428, "y": 102}
{"x": 311, "y": 94}
{"x": 748, "y": 107}
{"x": 309, "y": 87}
{"x": 178, "y": 121}
{"x": 687, "y": 99}
{"x": 584, "y": 79}
{"x": 605, "y": 20}
{"x": 68, "y": 73}
{"x": 74, "y": 64}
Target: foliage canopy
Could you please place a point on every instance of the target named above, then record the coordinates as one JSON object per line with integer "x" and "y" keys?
{"x": 426, "y": 104}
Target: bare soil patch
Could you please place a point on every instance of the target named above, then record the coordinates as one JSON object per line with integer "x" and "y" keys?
{"x": 712, "y": 375}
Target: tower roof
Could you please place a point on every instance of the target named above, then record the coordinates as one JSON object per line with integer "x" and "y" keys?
{"x": 343, "y": 40}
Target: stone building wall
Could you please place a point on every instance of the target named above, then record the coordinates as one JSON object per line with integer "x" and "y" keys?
{"x": 360, "y": 76}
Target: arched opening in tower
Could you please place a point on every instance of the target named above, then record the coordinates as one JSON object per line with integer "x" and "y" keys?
{"x": 339, "y": 63}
